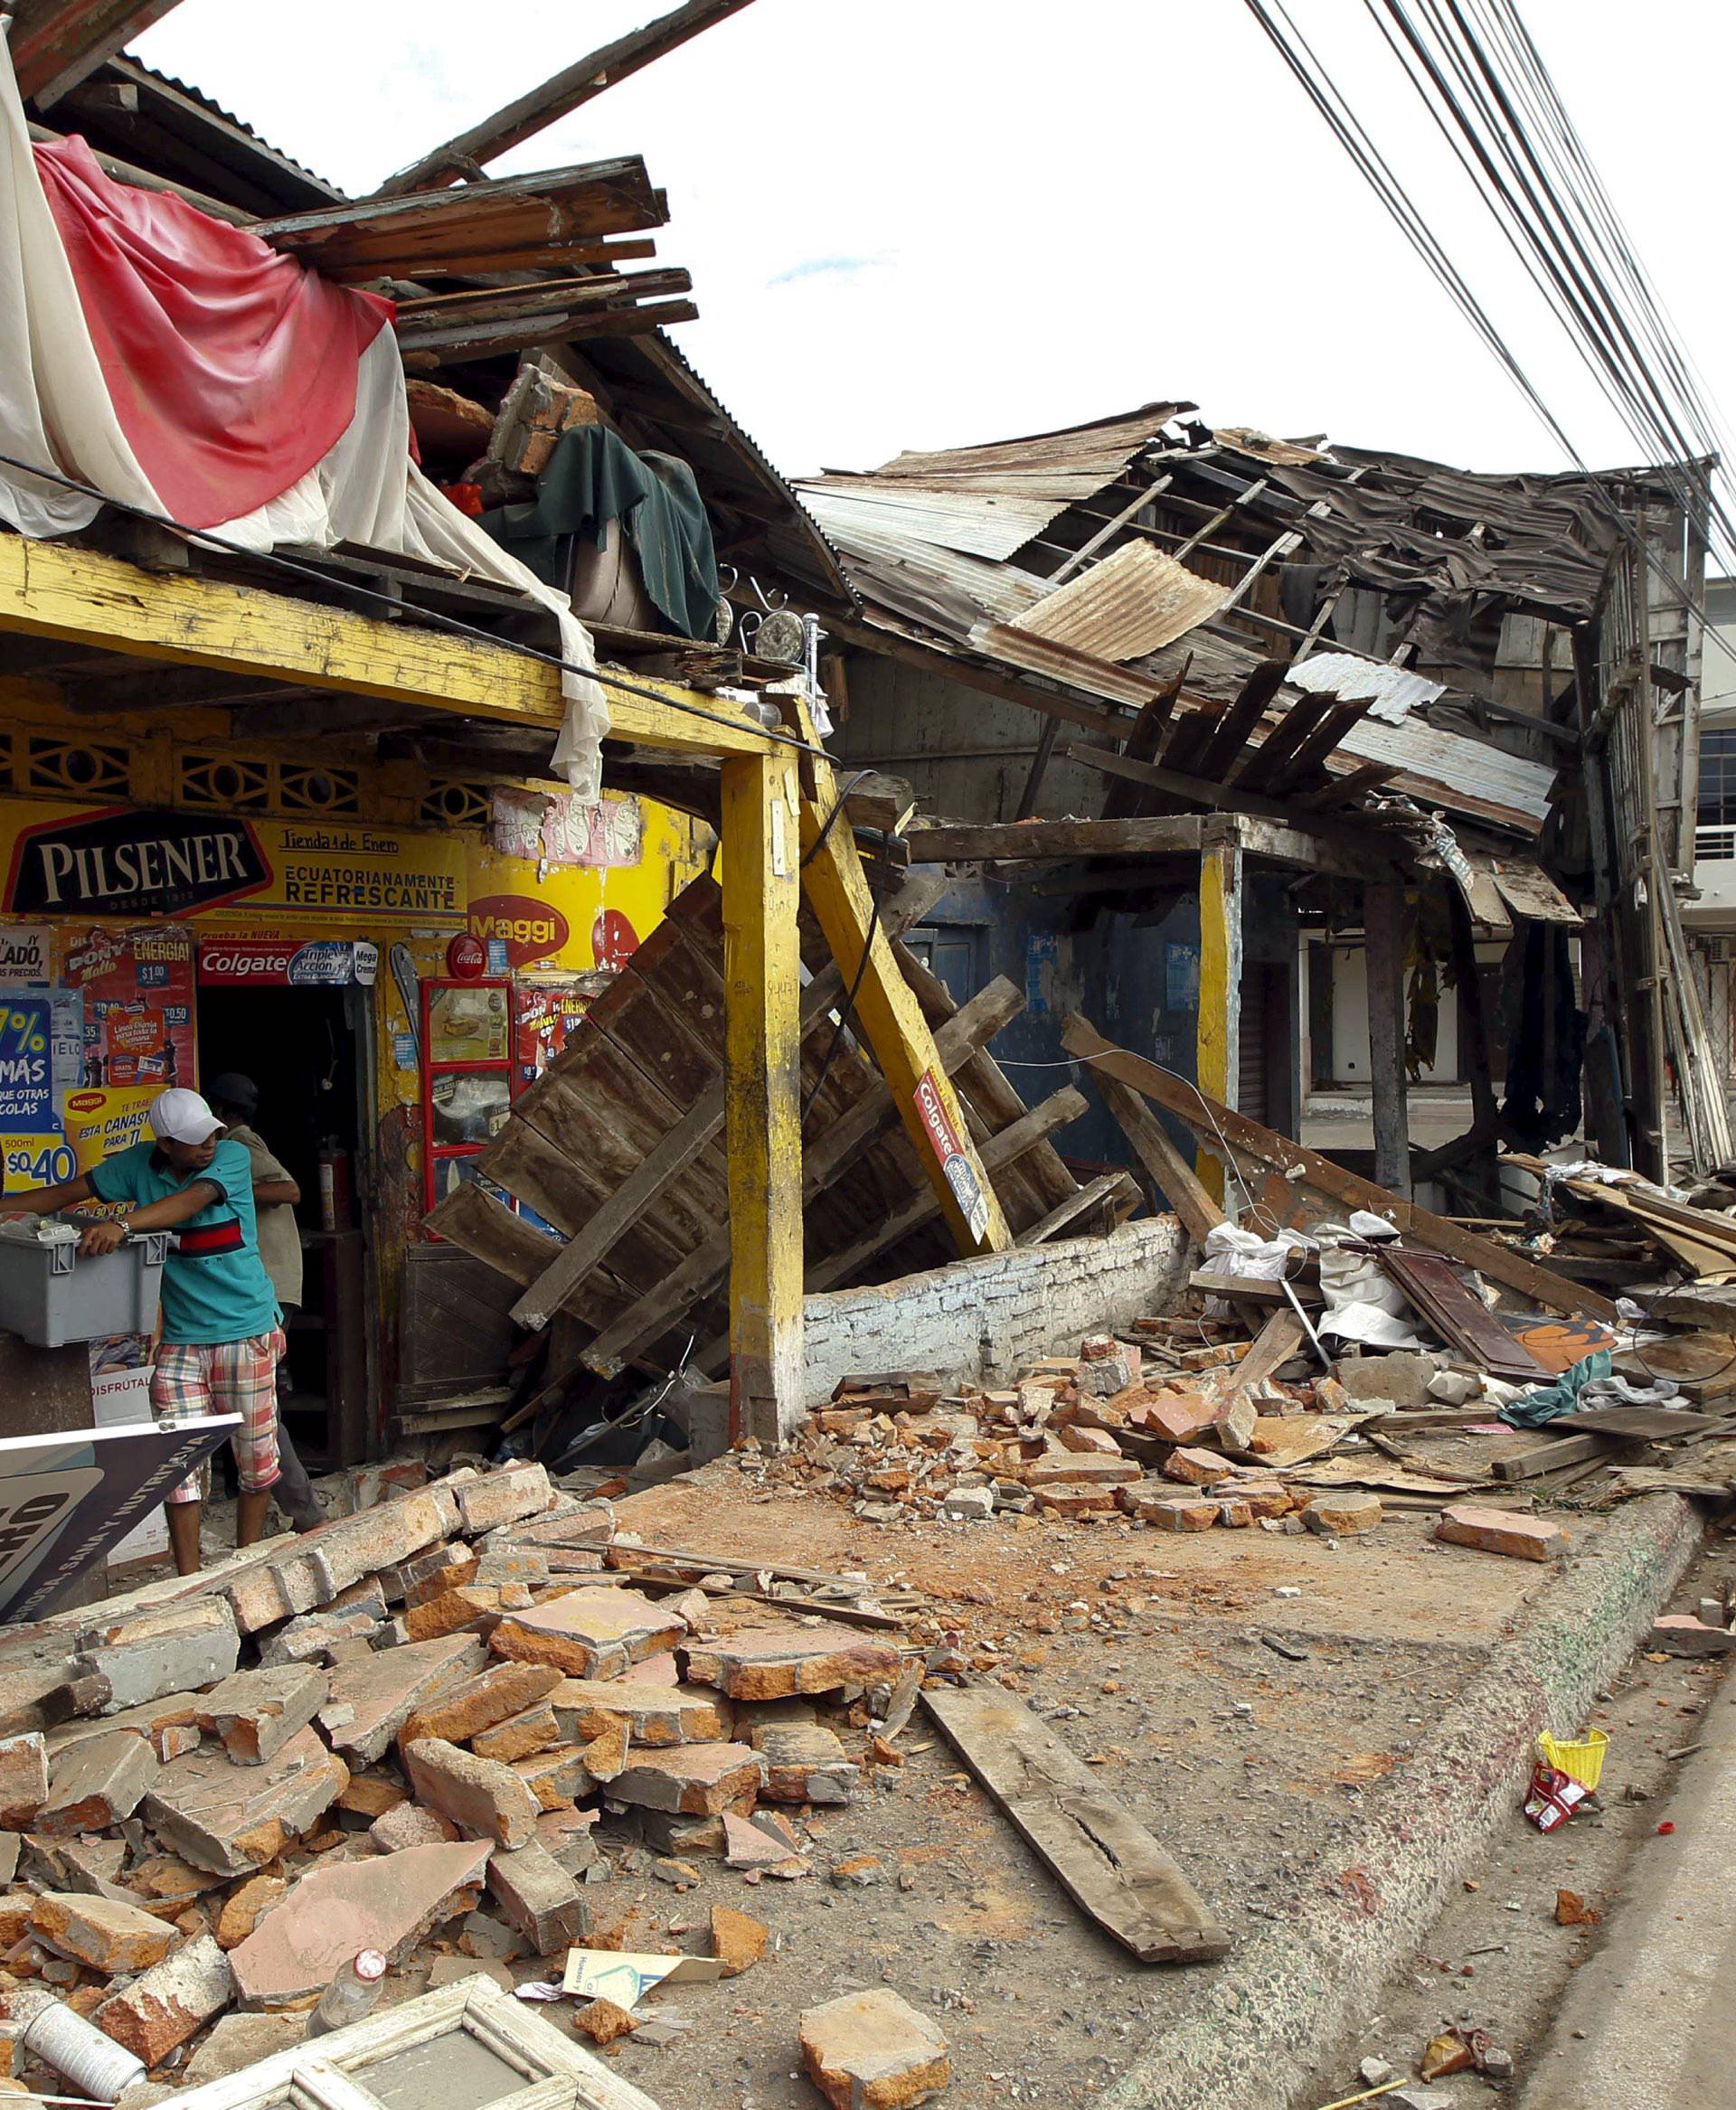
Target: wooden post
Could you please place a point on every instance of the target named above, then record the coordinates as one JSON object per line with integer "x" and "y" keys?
{"x": 1217, "y": 1033}
{"x": 1383, "y": 937}
{"x": 762, "y": 1110}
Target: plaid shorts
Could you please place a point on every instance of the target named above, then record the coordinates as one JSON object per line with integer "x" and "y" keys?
{"x": 226, "y": 1377}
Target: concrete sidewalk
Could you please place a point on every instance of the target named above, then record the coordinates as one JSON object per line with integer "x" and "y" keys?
{"x": 1649, "y": 2022}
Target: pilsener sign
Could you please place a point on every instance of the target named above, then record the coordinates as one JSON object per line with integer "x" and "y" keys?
{"x": 128, "y": 862}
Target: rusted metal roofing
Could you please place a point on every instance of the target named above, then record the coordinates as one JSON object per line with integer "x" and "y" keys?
{"x": 1070, "y": 457}
{"x": 1125, "y": 607}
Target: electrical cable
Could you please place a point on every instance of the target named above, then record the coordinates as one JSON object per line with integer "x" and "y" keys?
{"x": 435, "y": 618}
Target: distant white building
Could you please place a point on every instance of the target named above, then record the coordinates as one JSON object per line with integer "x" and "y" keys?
{"x": 1711, "y": 918}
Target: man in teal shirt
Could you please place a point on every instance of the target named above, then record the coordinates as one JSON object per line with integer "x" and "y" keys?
{"x": 221, "y": 1335}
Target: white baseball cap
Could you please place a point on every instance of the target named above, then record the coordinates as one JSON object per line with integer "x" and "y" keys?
{"x": 180, "y": 1116}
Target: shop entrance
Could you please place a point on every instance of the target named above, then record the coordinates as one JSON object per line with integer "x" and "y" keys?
{"x": 304, "y": 1047}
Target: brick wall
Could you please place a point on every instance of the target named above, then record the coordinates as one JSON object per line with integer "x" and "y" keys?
{"x": 981, "y": 1319}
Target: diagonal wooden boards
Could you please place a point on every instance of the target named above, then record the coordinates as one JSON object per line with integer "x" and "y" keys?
{"x": 1108, "y": 1863}
{"x": 1212, "y": 1121}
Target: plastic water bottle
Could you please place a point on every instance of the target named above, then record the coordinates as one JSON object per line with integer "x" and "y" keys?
{"x": 350, "y": 1995}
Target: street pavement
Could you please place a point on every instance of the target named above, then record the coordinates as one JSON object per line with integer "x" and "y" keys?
{"x": 1649, "y": 2021}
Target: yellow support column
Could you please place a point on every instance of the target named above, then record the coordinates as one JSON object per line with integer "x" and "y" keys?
{"x": 762, "y": 894}
{"x": 1218, "y": 1043}
{"x": 890, "y": 1018}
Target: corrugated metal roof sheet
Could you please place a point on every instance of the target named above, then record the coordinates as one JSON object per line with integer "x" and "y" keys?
{"x": 1103, "y": 449}
{"x": 1444, "y": 768}
{"x": 1395, "y": 690}
{"x": 986, "y": 524}
{"x": 1130, "y": 604}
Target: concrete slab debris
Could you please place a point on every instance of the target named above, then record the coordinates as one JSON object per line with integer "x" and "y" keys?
{"x": 874, "y": 2051}
{"x": 771, "y": 1662}
{"x": 370, "y": 1701}
{"x": 171, "y": 2002}
{"x": 589, "y": 1633}
{"x": 233, "y": 1819}
{"x": 482, "y": 1798}
{"x": 254, "y": 1713}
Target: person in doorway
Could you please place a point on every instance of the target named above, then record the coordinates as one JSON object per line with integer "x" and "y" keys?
{"x": 221, "y": 1337}
{"x": 235, "y": 1101}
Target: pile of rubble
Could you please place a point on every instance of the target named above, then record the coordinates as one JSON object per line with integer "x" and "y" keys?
{"x": 402, "y": 1733}
{"x": 1168, "y": 1428}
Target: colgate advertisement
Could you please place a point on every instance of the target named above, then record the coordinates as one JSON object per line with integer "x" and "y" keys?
{"x": 236, "y": 963}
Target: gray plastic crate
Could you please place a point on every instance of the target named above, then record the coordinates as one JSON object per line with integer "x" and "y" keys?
{"x": 50, "y": 1294}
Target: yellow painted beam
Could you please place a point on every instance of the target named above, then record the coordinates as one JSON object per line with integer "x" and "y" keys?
{"x": 58, "y": 589}
{"x": 1217, "y": 1057}
{"x": 762, "y": 1092}
{"x": 891, "y": 1019}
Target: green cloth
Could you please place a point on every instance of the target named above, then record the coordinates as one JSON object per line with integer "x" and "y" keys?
{"x": 594, "y": 478}
{"x": 1550, "y": 1402}
{"x": 210, "y": 1297}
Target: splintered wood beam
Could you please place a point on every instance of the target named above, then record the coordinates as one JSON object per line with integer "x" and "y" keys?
{"x": 1209, "y": 1117}
{"x": 891, "y": 1019}
{"x": 1108, "y": 1863}
{"x": 563, "y": 92}
{"x": 1118, "y": 1187}
{"x": 762, "y": 1095}
{"x": 63, "y": 590}
{"x": 57, "y": 44}
{"x": 1383, "y": 939}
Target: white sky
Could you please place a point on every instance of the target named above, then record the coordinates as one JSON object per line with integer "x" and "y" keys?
{"x": 926, "y": 223}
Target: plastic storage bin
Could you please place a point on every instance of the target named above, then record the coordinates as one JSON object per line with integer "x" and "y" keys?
{"x": 50, "y": 1294}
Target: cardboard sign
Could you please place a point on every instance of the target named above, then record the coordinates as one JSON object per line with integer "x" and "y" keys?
{"x": 65, "y": 1499}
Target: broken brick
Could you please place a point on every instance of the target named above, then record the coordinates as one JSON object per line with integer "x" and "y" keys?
{"x": 606, "y": 1754}
{"x": 256, "y": 1712}
{"x": 460, "y": 1711}
{"x": 589, "y": 1633}
{"x": 555, "y": 1779}
{"x": 468, "y": 1609}
{"x": 246, "y": 1905}
{"x": 96, "y": 1782}
{"x": 602, "y": 2021}
{"x": 101, "y": 1932}
{"x": 677, "y": 1714}
{"x": 317, "y": 1637}
{"x": 1344, "y": 1513}
{"x": 173, "y": 1648}
{"x": 1682, "y": 1635}
{"x": 1076, "y": 1502}
{"x": 537, "y": 1897}
{"x": 168, "y": 2004}
{"x": 23, "y": 1779}
{"x": 482, "y": 1796}
{"x": 771, "y": 1662}
{"x": 737, "y": 1941}
{"x": 1178, "y": 1512}
{"x": 1179, "y": 1418}
{"x": 370, "y": 1795}
{"x": 872, "y": 2051}
{"x": 1498, "y": 1531}
{"x": 233, "y": 1819}
{"x": 407, "y": 1824}
{"x": 520, "y": 1736}
{"x": 1075, "y": 1469}
{"x": 503, "y": 1497}
{"x": 1195, "y": 1468}
{"x": 389, "y": 1902}
{"x": 696, "y": 1780}
{"x": 370, "y": 1701}
{"x": 804, "y": 1763}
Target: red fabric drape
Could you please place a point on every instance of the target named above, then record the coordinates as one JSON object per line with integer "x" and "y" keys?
{"x": 231, "y": 368}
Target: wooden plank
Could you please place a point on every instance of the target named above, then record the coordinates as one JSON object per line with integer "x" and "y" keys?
{"x": 1102, "y": 1189}
{"x": 1545, "y": 1457}
{"x": 1206, "y": 1116}
{"x": 1142, "y": 742}
{"x": 1176, "y": 834}
{"x": 585, "y": 200}
{"x": 762, "y": 1118}
{"x": 1108, "y": 1863}
{"x": 1278, "y": 1340}
{"x": 57, "y": 44}
{"x": 63, "y": 590}
{"x": 1252, "y": 1289}
{"x": 1249, "y": 707}
{"x": 562, "y": 93}
{"x": 1180, "y": 1186}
